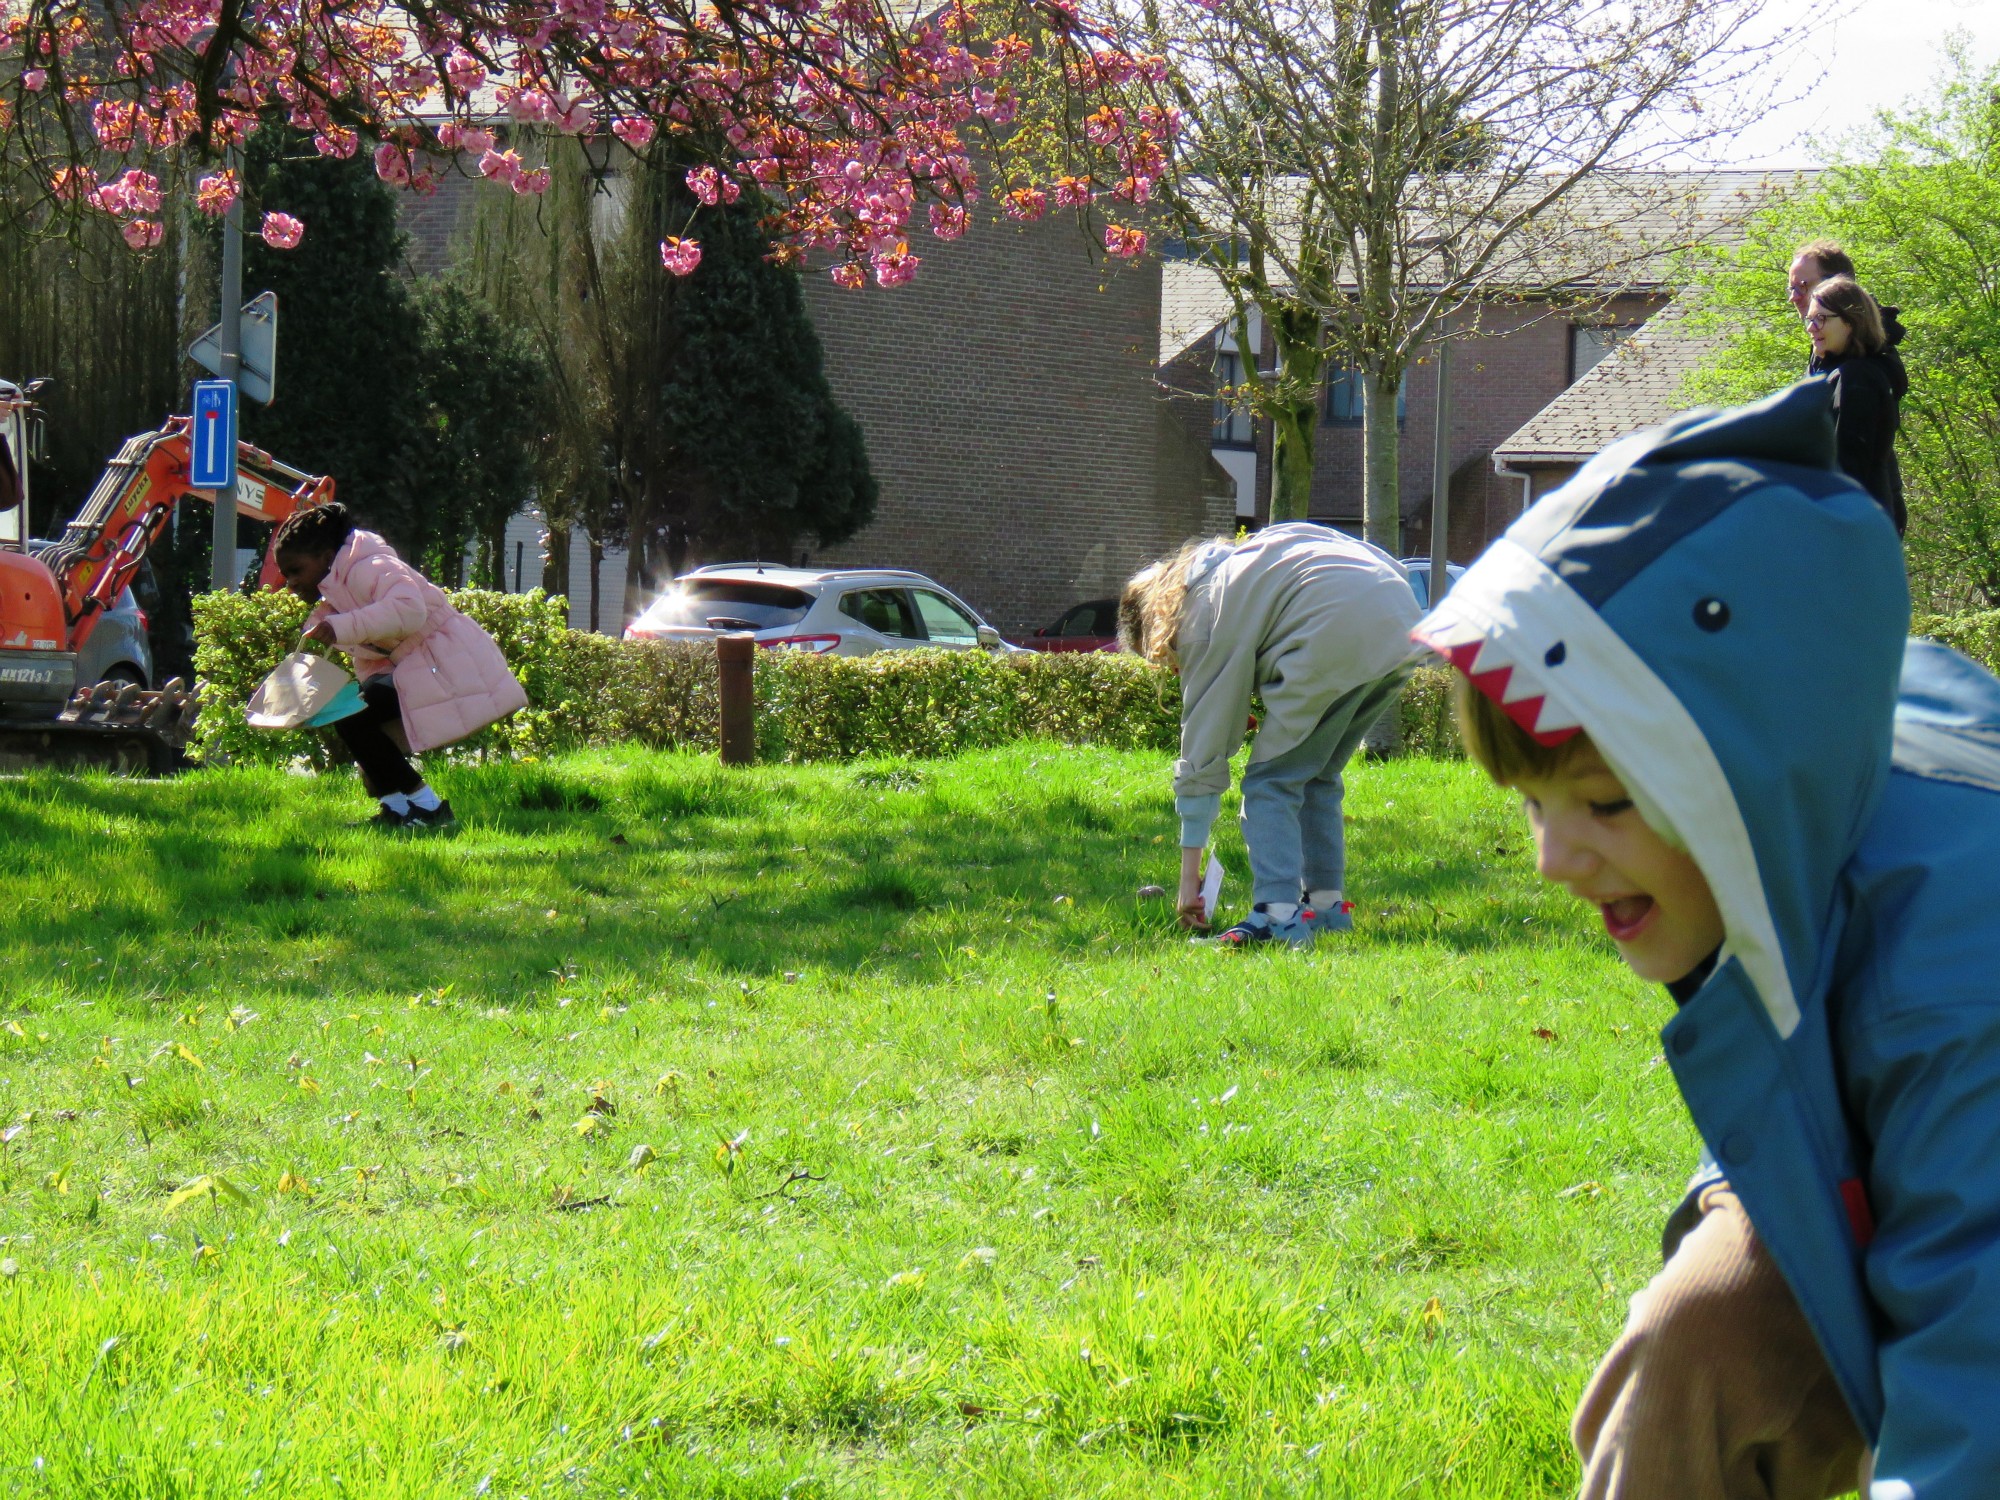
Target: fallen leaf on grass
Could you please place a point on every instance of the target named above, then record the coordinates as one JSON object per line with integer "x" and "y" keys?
{"x": 181, "y": 1051}
{"x": 905, "y": 1281}
{"x": 208, "y": 1185}
{"x": 1544, "y": 1034}
{"x": 642, "y": 1156}
{"x": 1584, "y": 1190}
{"x": 308, "y": 1083}
{"x": 591, "y": 1125}
{"x": 292, "y": 1183}
{"x": 983, "y": 1255}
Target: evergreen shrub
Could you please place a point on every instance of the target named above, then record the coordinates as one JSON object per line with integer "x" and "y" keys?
{"x": 588, "y": 690}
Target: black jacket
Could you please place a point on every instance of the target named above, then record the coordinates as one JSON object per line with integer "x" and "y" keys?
{"x": 1868, "y": 395}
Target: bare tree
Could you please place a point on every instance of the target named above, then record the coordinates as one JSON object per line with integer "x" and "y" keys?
{"x": 1369, "y": 174}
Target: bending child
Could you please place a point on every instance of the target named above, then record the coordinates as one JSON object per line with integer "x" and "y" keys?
{"x": 1316, "y": 622}
{"x": 1690, "y": 661}
{"x": 427, "y": 673}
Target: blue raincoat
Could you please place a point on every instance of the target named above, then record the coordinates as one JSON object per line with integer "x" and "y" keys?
{"x": 1725, "y": 614}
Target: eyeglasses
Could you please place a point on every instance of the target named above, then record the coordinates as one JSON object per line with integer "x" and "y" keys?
{"x": 1820, "y": 320}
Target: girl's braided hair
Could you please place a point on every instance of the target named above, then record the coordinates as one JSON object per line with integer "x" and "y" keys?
{"x": 311, "y": 532}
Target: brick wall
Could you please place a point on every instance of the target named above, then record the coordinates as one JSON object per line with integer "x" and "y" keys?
{"x": 1028, "y": 458}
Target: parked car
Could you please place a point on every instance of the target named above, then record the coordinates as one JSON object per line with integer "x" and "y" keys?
{"x": 844, "y": 611}
{"x": 1419, "y": 569}
{"x": 117, "y": 649}
{"x": 1090, "y": 626}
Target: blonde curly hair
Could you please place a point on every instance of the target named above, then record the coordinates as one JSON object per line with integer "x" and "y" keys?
{"x": 1149, "y": 610}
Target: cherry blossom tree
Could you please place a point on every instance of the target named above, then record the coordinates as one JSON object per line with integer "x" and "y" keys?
{"x": 863, "y": 125}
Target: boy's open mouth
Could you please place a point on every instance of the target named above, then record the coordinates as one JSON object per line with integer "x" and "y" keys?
{"x": 1627, "y": 917}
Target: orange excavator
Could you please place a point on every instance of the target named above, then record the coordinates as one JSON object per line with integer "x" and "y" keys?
{"x": 50, "y": 601}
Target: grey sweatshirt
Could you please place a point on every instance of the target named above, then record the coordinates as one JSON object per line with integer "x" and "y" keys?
{"x": 1303, "y": 614}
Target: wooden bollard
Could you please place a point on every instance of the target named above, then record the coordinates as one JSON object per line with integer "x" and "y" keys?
{"x": 736, "y": 683}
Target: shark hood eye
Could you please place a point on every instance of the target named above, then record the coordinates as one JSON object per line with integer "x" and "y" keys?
{"x": 1711, "y": 614}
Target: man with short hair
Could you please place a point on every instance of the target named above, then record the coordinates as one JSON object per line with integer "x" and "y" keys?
{"x": 1814, "y": 262}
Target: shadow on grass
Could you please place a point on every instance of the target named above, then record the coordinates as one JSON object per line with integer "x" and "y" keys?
{"x": 627, "y": 872}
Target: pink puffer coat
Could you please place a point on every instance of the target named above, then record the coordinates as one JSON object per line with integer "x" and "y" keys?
{"x": 450, "y": 676}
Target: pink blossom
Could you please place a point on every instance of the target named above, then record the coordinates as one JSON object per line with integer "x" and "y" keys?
{"x": 680, "y": 256}
{"x": 465, "y": 71}
{"x": 1124, "y": 243}
{"x": 896, "y": 267}
{"x": 501, "y": 166}
{"x": 850, "y": 276}
{"x": 635, "y": 131}
{"x": 530, "y": 183}
{"x": 336, "y": 142}
{"x": 72, "y": 183}
{"x": 34, "y": 80}
{"x": 281, "y": 231}
{"x": 572, "y": 117}
{"x": 1104, "y": 126}
{"x": 392, "y": 163}
{"x": 711, "y": 187}
{"x": 948, "y": 220}
{"x": 135, "y": 192}
{"x": 1025, "y": 203}
{"x": 216, "y": 193}
{"x": 143, "y": 234}
{"x": 1073, "y": 192}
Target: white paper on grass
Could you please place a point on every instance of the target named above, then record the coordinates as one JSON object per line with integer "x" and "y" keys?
{"x": 1211, "y": 886}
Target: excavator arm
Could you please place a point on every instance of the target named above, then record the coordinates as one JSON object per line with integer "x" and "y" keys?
{"x": 101, "y": 549}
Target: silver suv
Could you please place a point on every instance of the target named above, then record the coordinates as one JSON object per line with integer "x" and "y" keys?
{"x": 844, "y": 611}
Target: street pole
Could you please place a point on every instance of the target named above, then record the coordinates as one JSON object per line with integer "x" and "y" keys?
{"x": 1441, "y": 479}
{"x": 222, "y": 564}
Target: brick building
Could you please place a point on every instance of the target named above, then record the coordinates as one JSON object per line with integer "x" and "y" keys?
{"x": 1517, "y": 358}
{"x": 1026, "y": 456}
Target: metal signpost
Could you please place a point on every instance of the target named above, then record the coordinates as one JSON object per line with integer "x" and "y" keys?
{"x": 222, "y": 561}
{"x": 214, "y": 444}
{"x": 1441, "y": 481}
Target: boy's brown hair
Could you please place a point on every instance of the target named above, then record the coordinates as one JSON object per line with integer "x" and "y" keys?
{"x": 1500, "y": 747}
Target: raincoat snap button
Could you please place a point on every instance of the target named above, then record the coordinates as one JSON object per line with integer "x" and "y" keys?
{"x": 1711, "y": 614}
{"x": 1686, "y": 1039}
{"x": 1738, "y": 1148}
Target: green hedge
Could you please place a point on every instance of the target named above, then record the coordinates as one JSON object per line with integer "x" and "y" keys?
{"x": 592, "y": 690}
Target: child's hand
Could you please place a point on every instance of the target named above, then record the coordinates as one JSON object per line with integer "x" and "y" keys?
{"x": 322, "y": 632}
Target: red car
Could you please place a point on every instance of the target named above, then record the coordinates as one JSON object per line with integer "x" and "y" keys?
{"x": 1091, "y": 626}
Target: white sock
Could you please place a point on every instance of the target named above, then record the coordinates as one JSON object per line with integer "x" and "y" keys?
{"x": 397, "y": 803}
{"x": 424, "y": 798}
{"x": 1325, "y": 900}
{"x": 1279, "y": 911}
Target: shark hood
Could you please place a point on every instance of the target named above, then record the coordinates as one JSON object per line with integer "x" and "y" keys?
{"x": 1724, "y": 614}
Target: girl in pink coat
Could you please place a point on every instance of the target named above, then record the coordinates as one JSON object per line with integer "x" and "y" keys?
{"x": 422, "y": 664}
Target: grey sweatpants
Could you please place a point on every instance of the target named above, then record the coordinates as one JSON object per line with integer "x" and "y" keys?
{"x": 1291, "y": 802}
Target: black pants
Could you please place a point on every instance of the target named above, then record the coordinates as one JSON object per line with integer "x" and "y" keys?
{"x": 384, "y": 768}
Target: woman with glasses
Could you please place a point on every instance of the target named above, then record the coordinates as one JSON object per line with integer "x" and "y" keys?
{"x": 1849, "y": 343}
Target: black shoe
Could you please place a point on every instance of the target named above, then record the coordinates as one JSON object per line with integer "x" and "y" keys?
{"x": 435, "y": 817}
{"x": 387, "y": 820}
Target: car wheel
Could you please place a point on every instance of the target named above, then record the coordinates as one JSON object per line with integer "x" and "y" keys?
{"x": 124, "y": 672}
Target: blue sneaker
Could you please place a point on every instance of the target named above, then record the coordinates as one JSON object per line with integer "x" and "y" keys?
{"x": 1296, "y": 931}
{"x": 1336, "y": 917}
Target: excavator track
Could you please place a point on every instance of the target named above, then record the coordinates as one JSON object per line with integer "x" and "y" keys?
{"x": 116, "y": 727}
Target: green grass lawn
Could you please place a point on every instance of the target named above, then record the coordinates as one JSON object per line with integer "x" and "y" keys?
{"x": 799, "y": 1132}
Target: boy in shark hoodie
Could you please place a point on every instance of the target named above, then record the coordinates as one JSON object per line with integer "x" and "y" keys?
{"x": 1691, "y": 661}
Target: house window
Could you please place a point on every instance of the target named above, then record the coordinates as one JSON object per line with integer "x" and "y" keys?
{"x": 1346, "y": 398}
{"x": 1590, "y": 342}
{"x": 1235, "y": 426}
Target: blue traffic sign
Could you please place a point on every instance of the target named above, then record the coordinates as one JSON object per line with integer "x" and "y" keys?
{"x": 214, "y": 435}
